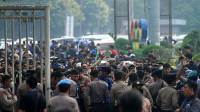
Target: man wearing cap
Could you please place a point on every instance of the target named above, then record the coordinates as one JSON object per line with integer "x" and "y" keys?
{"x": 63, "y": 102}
{"x": 167, "y": 98}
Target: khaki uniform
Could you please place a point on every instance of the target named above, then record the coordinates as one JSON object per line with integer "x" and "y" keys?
{"x": 73, "y": 90}
{"x": 155, "y": 87}
{"x": 7, "y": 100}
{"x": 116, "y": 90}
{"x": 63, "y": 103}
{"x": 167, "y": 98}
{"x": 97, "y": 94}
{"x": 97, "y": 91}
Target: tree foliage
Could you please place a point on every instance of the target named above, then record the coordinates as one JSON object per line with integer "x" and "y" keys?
{"x": 193, "y": 40}
{"x": 96, "y": 14}
{"x": 121, "y": 43}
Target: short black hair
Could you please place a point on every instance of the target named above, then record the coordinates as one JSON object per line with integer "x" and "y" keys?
{"x": 32, "y": 82}
{"x": 118, "y": 75}
{"x": 193, "y": 85}
{"x": 140, "y": 74}
{"x": 133, "y": 77}
{"x": 94, "y": 73}
{"x": 157, "y": 73}
{"x": 63, "y": 87}
{"x": 131, "y": 101}
{"x": 166, "y": 65}
{"x": 170, "y": 78}
{"x": 74, "y": 72}
{"x": 5, "y": 78}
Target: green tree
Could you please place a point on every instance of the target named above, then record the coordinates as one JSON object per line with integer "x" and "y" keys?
{"x": 59, "y": 10}
{"x": 121, "y": 43}
{"x": 96, "y": 14}
{"x": 193, "y": 40}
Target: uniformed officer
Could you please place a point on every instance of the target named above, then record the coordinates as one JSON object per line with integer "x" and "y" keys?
{"x": 167, "y": 98}
{"x": 98, "y": 94}
{"x": 63, "y": 102}
{"x": 156, "y": 86}
{"x": 118, "y": 87}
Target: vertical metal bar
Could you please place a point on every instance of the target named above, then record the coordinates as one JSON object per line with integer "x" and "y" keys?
{"x": 170, "y": 21}
{"x": 6, "y": 58}
{"x": 27, "y": 46}
{"x": 41, "y": 53}
{"x": 115, "y": 20}
{"x": 128, "y": 18}
{"x": 13, "y": 60}
{"x": 47, "y": 53}
{"x": 34, "y": 54}
{"x": 20, "y": 51}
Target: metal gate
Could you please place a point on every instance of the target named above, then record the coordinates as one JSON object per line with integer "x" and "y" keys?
{"x": 22, "y": 28}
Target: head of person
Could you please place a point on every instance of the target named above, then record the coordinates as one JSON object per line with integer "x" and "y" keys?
{"x": 104, "y": 71}
{"x": 132, "y": 78}
{"x": 6, "y": 81}
{"x": 140, "y": 74}
{"x": 31, "y": 82}
{"x": 74, "y": 75}
{"x": 94, "y": 74}
{"x": 166, "y": 69}
{"x": 64, "y": 85}
{"x": 157, "y": 74}
{"x": 138, "y": 85}
{"x": 193, "y": 75}
{"x": 190, "y": 88}
{"x": 118, "y": 75}
{"x": 56, "y": 76}
{"x": 131, "y": 101}
{"x": 171, "y": 79}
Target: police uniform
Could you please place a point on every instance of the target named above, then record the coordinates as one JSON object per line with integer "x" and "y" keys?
{"x": 63, "y": 102}
{"x": 117, "y": 89}
{"x": 167, "y": 99}
{"x": 98, "y": 96}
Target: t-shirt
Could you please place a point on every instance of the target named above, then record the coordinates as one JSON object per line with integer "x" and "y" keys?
{"x": 33, "y": 101}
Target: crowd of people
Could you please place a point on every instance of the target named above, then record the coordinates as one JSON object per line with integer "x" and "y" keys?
{"x": 83, "y": 79}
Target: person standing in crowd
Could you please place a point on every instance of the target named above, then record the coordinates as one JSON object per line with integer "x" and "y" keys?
{"x": 167, "y": 70}
{"x": 191, "y": 102}
{"x": 138, "y": 85}
{"x": 63, "y": 102}
{"x": 84, "y": 80}
{"x": 130, "y": 101}
{"x": 7, "y": 98}
{"x": 98, "y": 94}
{"x": 118, "y": 87}
{"x": 167, "y": 99}
{"x": 156, "y": 86}
{"x": 33, "y": 100}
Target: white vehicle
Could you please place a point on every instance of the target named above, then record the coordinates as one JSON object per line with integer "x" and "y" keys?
{"x": 104, "y": 41}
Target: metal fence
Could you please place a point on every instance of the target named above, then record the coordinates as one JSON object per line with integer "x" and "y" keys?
{"x": 21, "y": 25}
